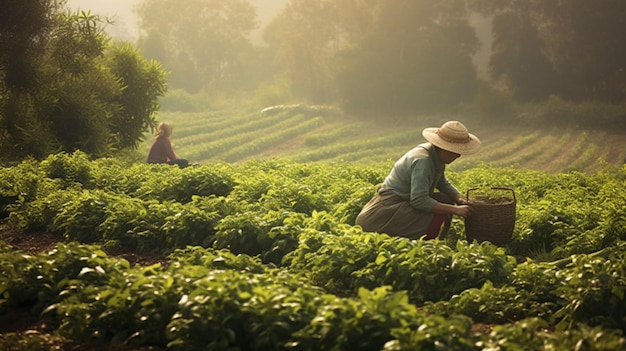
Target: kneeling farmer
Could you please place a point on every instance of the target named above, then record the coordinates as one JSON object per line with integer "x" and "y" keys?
{"x": 407, "y": 204}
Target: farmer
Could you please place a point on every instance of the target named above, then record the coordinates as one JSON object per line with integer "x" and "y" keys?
{"x": 161, "y": 150}
{"x": 407, "y": 204}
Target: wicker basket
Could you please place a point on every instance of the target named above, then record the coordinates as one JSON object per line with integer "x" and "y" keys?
{"x": 493, "y": 220}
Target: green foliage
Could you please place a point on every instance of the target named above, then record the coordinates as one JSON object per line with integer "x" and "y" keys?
{"x": 141, "y": 83}
{"x": 534, "y": 333}
{"x": 180, "y": 186}
{"x": 595, "y": 291}
{"x": 365, "y": 323}
{"x": 505, "y": 304}
{"x": 118, "y": 177}
{"x": 341, "y": 263}
{"x": 435, "y": 332}
{"x": 215, "y": 259}
{"x": 147, "y": 295}
{"x": 77, "y": 91}
{"x": 262, "y": 255}
{"x": 191, "y": 225}
{"x": 70, "y": 168}
{"x": 539, "y": 280}
{"x": 79, "y": 219}
{"x": 271, "y": 234}
{"x": 247, "y": 311}
{"x": 40, "y": 281}
{"x": 38, "y": 215}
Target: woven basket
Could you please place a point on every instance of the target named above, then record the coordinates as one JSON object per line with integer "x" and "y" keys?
{"x": 493, "y": 220}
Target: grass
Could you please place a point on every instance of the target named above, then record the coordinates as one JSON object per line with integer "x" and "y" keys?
{"x": 239, "y": 135}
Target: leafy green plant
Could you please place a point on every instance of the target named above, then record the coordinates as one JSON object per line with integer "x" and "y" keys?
{"x": 595, "y": 289}
{"x": 70, "y": 168}
{"x": 79, "y": 219}
{"x": 228, "y": 309}
{"x": 258, "y": 268}
{"x": 364, "y": 323}
{"x": 434, "y": 333}
{"x": 504, "y": 304}
{"x": 38, "y": 215}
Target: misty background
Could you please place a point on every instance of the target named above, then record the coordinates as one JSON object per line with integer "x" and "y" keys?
{"x": 126, "y": 21}
{"x": 103, "y": 66}
{"x": 126, "y": 25}
{"x": 425, "y": 56}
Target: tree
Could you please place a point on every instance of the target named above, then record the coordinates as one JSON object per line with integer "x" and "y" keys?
{"x": 300, "y": 37}
{"x": 200, "y": 42}
{"x": 73, "y": 89}
{"x": 586, "y": 48}
{"x": 518, "y": 58}
{"x": 568, "y": 48}
{"x": 417, "y": 58}
{"x": 307, "y": 37}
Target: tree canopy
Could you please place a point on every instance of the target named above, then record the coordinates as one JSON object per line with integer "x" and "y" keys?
{"x": 416, "y": 58}
{"x": 65, "y": 86}
{"x": 202, "y": 42}
{"x": 394, "y": 56}
{"x": 372, "y": 55}
{"x": 569, "y": 48}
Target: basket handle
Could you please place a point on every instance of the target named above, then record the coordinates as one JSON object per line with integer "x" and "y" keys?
{"x": 492, "y": 188}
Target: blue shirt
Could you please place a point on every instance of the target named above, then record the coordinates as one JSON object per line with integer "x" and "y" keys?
{"x": 416, "y": 175}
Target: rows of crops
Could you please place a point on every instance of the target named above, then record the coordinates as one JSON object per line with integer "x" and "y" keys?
{"x": 263, "y": 255}
{"x": 310, "y": 133}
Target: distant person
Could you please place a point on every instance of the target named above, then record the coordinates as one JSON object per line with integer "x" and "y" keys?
{"x": 407, "y": 204}
{"x": 161, "y": 150}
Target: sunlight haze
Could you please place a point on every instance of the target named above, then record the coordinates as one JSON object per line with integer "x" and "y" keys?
{"x": 119, "y": 11}
{"x": 125, "y": 27}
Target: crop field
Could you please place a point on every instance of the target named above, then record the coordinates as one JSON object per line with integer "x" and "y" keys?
{"x": 264, "y": 255}
{"x": 255, "y": 247}
{"x": 310, "y": 134}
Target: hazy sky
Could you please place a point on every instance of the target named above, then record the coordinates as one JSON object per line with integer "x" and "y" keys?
{"x": 121, "y": 11}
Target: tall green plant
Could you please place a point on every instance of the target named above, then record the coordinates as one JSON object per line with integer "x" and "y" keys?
{"x": 73, "y": 90}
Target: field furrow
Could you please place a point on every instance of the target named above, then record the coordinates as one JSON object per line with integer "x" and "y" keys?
{"x": 236, "y": 127}
{"x": 216, "y": 149}
{"x": 257, "y": 145}
{"x": 332, "y": 151}
{"x": 569, "y": 152}
{"x": 310, "y": 134}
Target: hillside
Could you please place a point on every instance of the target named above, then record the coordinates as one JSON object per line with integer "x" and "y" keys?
{"x": 311, "y": 134}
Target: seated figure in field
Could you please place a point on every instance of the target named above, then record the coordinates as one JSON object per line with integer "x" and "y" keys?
{"x": 161, "y": 150}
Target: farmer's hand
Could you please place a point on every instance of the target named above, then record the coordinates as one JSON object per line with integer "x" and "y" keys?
{"x": 461, "y": 201}
{"x": 464, "y": 211}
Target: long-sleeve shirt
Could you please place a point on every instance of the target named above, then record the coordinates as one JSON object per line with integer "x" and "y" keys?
{"x": 416, "y": 175}
{"x": 161, "y": 151}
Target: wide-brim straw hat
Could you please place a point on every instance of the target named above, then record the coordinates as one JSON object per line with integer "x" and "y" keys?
{"x": 454, "y": 137}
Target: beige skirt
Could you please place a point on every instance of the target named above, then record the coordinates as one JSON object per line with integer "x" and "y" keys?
{"x": 388, "y": 213}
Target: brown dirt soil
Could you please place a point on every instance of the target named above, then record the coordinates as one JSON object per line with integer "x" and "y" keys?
{"x": 34, "y": 243}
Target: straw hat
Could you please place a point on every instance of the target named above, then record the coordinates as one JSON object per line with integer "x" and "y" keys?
{"x": 454, "y": 137}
